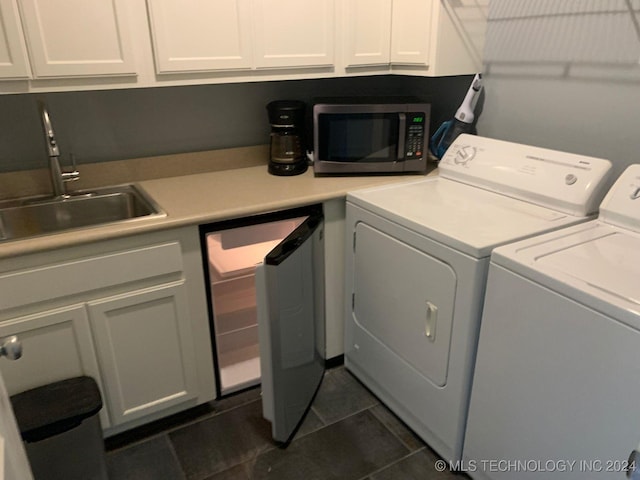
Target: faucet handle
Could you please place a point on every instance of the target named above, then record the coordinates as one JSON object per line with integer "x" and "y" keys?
{"x": 52, "y": 145}
{"x": 74, "y": 174}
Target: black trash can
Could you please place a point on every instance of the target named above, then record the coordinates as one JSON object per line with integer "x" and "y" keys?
{"x": 60, "y": 427}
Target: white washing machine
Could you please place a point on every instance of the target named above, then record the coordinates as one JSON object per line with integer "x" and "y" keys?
{"x": 557, "y": 382}
{"x": 416, "y": 265}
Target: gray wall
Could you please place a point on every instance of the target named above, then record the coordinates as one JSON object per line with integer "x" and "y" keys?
{"x": 99, "y": 126}
{"x": 565, "y": 75}
{"x": 562, "y": 75}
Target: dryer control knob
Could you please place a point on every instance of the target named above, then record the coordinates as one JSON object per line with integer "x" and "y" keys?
{"x": 570, "y": 179}
{"x": 464, "y": 154}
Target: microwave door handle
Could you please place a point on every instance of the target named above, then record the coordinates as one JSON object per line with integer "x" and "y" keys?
{"x": 402, "y": 128}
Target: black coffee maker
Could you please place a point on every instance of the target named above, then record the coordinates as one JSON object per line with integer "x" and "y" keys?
{"x": 287, "y": 119}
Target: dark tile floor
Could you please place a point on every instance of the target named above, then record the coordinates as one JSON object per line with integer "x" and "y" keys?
{"x": 347, "y": 434}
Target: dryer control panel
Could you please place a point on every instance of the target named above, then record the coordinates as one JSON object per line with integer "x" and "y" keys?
{"x": 566, "y": 182}
{"x": 621, "y": 206}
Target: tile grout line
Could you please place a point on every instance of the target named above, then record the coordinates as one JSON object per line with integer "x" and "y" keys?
{"x": 188, "y": 423}
{"x": 409, "y": 454}
{"x": 253, "y": 458}
{"x": 396, "y": 435}
{"x": 175, "y": 456}
{"x": 248, "y": 464}
{"x": 326, "y": 424}
{"x": 356, "y": 412}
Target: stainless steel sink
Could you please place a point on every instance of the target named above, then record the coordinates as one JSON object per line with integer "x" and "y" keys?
{"x": 34, "y": 216}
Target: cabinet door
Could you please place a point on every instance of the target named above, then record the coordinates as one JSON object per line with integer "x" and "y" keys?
{"x": 145, "y": 348}
{"x": 77, "y": 37}
{"x": 192, "y": 35}
{"x": 13, "y": 52}
{"x": 59, "y": 340}
{"x": 368, "y": 32}
{"x": 411, "y": 32}
{"x": 293, "y": 33}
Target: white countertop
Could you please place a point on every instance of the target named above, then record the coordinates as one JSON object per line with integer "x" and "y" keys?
{"x": 209, "y": 197}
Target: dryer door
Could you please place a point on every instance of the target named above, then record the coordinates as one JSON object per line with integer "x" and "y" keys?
{"x": 290, "y": 301}
{"x": 404, "y": 298}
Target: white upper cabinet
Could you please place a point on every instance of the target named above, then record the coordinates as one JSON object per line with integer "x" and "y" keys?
{"x": 417, "y": 37}
{"x": 77, "y": 38}
{"x": 50, "y": 45}
{"x": 293, "y": 33}
{"x": 411, "y": 32}
{"x": 367, "y": 32}
{"x": 197, "y": 36}
{"x": 13, "y": 52}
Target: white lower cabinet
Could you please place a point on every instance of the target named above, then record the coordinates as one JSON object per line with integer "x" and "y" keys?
{"x": 145, "y": 350}
{"x": 130, "y": 312}
{"x": 56, "y": 345}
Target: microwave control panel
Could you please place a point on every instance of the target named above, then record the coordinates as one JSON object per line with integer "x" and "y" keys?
{"x": 414, "y": 143}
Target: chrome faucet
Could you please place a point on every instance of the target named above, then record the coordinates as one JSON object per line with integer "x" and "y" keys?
{"x": 58, "y": 177}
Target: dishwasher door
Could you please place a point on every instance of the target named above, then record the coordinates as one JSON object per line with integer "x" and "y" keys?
{"x": 291, "y": 326}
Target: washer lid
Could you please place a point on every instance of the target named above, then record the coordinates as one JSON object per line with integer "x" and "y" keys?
{"x": 464, "y": 217}
{"x": 610, "y": 264}
{"x": 574, "y": 184}
{"x": 593, "y": 263}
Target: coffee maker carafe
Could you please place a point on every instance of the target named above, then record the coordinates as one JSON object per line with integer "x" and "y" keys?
{"x": 288, "y": 156}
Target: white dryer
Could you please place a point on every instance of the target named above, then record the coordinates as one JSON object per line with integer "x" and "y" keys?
{"x": 557, "y": 380}
{"x": 416, "y": 265}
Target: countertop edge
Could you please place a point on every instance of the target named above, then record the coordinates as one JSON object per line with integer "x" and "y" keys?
{"x": 203, "y": 198}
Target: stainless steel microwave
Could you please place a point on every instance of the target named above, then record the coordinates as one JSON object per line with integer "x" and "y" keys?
{"x": 353, "y": 138}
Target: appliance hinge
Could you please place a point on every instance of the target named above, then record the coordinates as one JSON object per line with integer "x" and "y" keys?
{"x": 354, "y": 241}
{"x": 353, "y": 301}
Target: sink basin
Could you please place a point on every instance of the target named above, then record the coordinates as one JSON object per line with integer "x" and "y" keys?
{"x": 34, "y": 216}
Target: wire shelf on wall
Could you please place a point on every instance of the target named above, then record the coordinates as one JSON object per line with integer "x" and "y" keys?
{"x": 470, "y": 21}
{"x": 585, "y": 38}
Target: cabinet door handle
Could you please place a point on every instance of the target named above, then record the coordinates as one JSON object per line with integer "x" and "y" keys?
{"x": 432, "y": 319}
{"x": 11, "y": 348}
